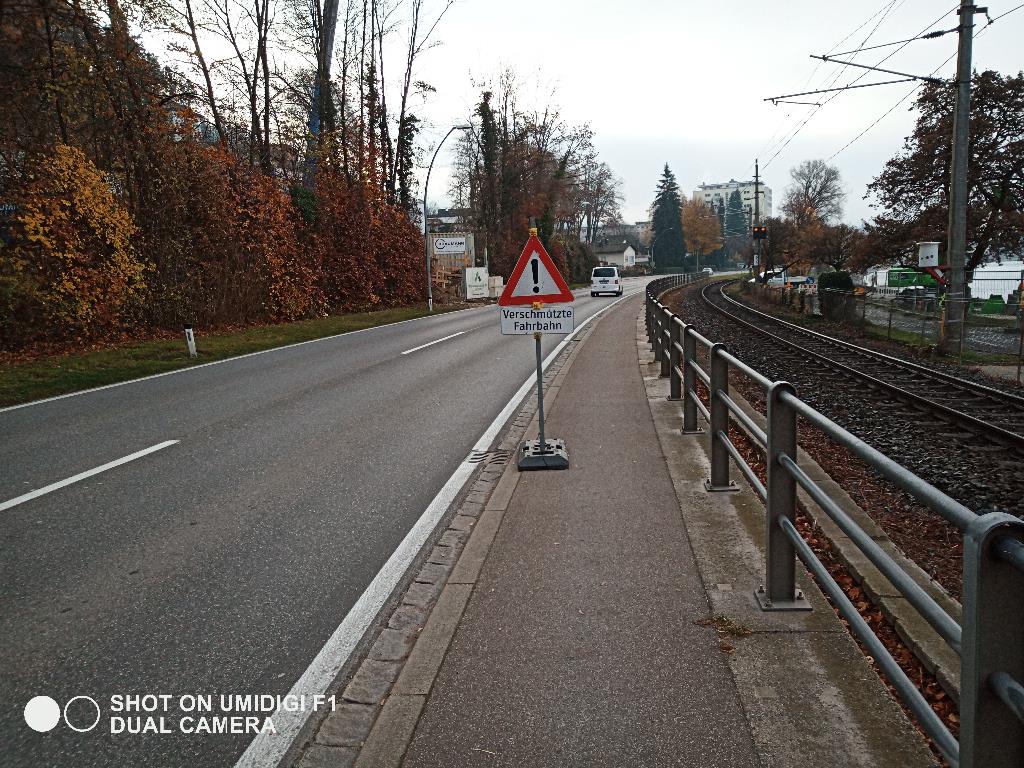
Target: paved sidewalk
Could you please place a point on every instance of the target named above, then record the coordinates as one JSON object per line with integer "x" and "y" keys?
{"x": 565, "y": 619}
{"x": 580, "y": 644}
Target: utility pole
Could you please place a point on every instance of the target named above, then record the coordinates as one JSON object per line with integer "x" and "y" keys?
{"x": 757, "y": 209}
{"x": 956, "y": 247}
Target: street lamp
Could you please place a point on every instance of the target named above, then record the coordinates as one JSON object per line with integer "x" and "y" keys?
{"x": 426, "y": 222}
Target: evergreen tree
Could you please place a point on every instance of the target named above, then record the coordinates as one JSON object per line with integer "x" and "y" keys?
{"x": 717, "y": 256}
{"x": 735, "y": 216}
{"x": 667, "y": 224}
{"x": 405, "y": 160}
{"x": 719, "y": 208}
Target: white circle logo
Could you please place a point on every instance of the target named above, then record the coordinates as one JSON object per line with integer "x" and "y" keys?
{"x": 42, "y": 713}
{"x": 88, "y": 727}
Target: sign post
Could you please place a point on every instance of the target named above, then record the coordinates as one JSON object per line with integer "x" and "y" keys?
{"x": 534, "y": 281}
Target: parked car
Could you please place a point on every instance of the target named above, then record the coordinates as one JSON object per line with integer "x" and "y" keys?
{"x": 605, "y": 280}
{"x": 707, "y": 271}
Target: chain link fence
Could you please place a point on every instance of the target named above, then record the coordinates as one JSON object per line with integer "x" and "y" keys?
{"x": 992, "y": 326}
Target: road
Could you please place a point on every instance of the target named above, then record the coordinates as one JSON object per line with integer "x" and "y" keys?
{"x": 221, "y": 563}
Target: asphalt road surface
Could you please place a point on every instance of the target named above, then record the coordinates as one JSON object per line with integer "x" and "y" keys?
{"x": 221, "y": 563}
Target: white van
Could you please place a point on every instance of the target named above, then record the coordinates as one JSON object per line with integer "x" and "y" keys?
{"x": 605, "y": 280}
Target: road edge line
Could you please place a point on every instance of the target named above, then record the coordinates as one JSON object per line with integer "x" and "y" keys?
{"x": 268, "y": 750}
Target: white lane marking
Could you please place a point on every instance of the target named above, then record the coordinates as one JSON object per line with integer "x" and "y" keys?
{"x": 83, "y": 475}
{"x": 432, "y": 343}
{"x": 267, "y": 750}
{"x": 227, "y": 360}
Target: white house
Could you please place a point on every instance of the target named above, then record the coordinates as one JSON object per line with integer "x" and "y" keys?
{"x": 617, "y": 253}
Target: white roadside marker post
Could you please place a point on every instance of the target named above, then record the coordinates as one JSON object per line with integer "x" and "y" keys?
{"x": 190, "y": 339}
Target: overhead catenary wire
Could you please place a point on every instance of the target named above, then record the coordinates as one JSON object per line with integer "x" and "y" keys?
{"x": 789, "y": 135}
{"x": 780, "y": 99}
{"x": 793, "y": 134}
{"x": 914, "y": 90}
{"x": 1001, "y": 15}
{"x": 778, "y": 128}
{"x": 887, "y": 112}
{"x": 828, "y": 100}
{"x": 929, "y": 36}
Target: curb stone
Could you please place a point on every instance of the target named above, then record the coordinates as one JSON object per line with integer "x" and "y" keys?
{"x": 381, "y": 700}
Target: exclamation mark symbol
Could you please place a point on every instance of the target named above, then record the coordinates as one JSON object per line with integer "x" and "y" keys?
{"x": 535, "y": 265}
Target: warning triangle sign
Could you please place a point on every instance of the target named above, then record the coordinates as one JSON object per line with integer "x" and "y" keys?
{"x": 535, "y": 278}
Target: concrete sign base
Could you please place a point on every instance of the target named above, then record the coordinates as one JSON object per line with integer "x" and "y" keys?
{"x": 555, "y": 457}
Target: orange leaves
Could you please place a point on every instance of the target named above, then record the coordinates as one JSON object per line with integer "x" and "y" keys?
{"x": 225, "y": 243}
{"x": 700, "y": 226}
{"x": 75, "y": 270}
{"x": 372, "y": 255}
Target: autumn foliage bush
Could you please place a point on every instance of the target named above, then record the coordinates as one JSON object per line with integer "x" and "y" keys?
{"x": 72, "y": 268}
{"x": 371, "y": 253}
{"x": 124, "y": 212}
{"x": 220, "y": 243}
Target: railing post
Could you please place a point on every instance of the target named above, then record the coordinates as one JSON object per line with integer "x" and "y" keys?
{"x": 666, "y": 346}
{"x": 652, "y": 313}
{"x": 991, "y": 735}
{"x": 719, "y": 421}
{"x": 779, "y": 592}
{"x": 657, "y": 342}
{"x": 689, "y": 382}
{"x": 674, "y": 382}
{"x": 647, "y": 314}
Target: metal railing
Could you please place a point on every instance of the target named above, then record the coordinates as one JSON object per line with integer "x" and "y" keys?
{"x": 990, "y": 640}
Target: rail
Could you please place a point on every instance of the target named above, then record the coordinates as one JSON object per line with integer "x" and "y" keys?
{"x": 990, "y": 639}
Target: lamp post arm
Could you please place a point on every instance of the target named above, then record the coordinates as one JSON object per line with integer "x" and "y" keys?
{"x": 431, "y": 167}
{"x": 426, "y": 223}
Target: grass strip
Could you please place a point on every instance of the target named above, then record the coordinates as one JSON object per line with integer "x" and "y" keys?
{"x": 60, "y": 374}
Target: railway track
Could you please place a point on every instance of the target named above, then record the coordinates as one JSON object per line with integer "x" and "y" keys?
{"x": 964, "y": 437}
{"x": 981, "y": 409}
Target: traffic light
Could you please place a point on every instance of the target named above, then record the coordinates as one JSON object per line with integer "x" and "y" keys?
{"x": 760, "y": 233}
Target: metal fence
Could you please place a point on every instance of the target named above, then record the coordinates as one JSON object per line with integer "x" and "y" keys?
{"x": 984, "y": 284}
{"x": 990, "y": 640}
{"x": 907, "y": 316}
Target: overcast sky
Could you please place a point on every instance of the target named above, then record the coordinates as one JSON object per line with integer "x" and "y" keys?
{"x": 683, "y": 81}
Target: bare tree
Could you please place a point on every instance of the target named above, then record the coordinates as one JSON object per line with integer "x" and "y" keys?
{"x": 599, "y": 196}
{"x": 406, "y": 128}
{"x": 816, "y": 193}
{"x": 246, "y": 29}
{"x": 182, "y": 21}
{"x": 835, "y": 245}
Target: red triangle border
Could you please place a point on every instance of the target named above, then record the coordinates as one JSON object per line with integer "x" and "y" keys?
{"x": 564, "y": 294}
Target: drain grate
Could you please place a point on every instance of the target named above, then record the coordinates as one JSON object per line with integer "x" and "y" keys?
{"x": 498, "y": 456}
